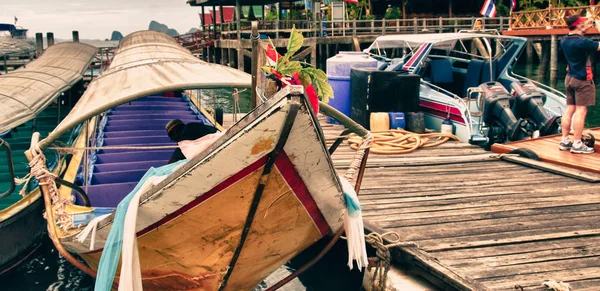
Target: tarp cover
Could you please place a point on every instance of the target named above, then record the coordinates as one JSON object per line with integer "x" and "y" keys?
{"x": 25, "y": 92}
{"x": 14, "y": 46}
{"x": 146, "y": 63}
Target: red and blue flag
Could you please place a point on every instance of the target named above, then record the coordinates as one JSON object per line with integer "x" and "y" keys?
{"x": 513, "y": 4}
{"x": 489, "y": 8}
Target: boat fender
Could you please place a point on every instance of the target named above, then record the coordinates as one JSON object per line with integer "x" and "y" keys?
{"x": 353, "y": 225}
{"x": 447, "y": 126}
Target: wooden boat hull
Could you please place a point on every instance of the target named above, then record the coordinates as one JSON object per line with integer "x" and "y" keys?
{"x": 190, "y": 225}
{"x": 22, "y": 232}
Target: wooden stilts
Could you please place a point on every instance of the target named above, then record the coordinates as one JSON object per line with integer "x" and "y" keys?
{"x": 545, "y": 62}
{"x": 529, "y": 52}
{"x": 553, "y": 59}
{"x": 240, "y": 58}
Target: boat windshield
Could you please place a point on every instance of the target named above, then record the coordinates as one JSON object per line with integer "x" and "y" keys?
{"x": 469, "y": 48}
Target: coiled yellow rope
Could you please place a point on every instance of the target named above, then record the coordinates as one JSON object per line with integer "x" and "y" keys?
{"x": 400, "y": 141}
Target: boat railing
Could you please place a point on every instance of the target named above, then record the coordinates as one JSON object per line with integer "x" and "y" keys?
{"x": 552, "y": 17}
{"x": 11, "y": 169}
{"x": 467, "y": 113}
{"x": 539, "y": 84}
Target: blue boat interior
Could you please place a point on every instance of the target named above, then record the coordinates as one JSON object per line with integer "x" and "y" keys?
{"x": 113, "y": 173}
{"x": 457, "y": 75}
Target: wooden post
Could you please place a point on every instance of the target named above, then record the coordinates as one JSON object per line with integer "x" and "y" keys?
{"x": 383, "y": 26}
{"x": 238, "y": 14}
{"x": 5, "y": 65}
{"x": 240, "y": 57}
{"x": 441, "y": 24}
{"x": 313, "y": 53}
{"x": 450, "y": 8}
{"x": 254, "y": 38}
{"x": 544, "y": 63}
{"x": 354, "y": 27}
{"x": 214, "y": 21}
{"x": 202, "y": 20}
{"x": 372, "y": 25}
{"x": 39, "y": 43}
{"x": 50, "y": 39}
{"x": 75, "y": 36}
{"x": 415, "y": 24}
{"x": 553, "y": 59}
{"x": 404, "y": 10}
{"x": 222, "y": 20}
{"x": 529, "y": 52}
{"x": 209, "y": 55}
{"x": 397, "y": 25}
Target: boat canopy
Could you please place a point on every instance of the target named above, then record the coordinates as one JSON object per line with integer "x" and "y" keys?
{"x": 9, "y": 46}
{"x": 28, "y": 90}
{"x": 439, "y": 40}
{"x": 146, "y": 63}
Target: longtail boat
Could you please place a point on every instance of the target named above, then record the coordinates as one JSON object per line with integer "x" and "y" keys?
{"x": 222, "y": 220}
{"x": 26, "y": 97}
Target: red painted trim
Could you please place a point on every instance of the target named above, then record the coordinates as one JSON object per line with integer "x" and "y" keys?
{"x": 291, "y": 176}
{"x": 212, "y": 192}
{"x": 441, "y": 110}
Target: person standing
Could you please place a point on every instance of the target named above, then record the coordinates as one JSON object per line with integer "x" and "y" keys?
{"x": 579, "y": 83}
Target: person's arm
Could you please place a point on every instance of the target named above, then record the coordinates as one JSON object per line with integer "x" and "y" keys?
{"x": 176, "y": 156}
{"x": 591, "y": 45}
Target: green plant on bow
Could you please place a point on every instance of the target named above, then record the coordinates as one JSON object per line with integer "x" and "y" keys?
{"x": 307, "y": 74}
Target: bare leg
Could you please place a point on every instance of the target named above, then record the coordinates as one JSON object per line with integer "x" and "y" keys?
{"x": 566, "y": 120}
{"x": 579, "y": 121}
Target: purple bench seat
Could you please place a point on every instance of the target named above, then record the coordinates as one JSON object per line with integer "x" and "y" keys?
{"x": 134, "y": 156}
{"x": 118, "y": 177}
{"x": 143, "y": 165}
{"x": 149, "y": 140}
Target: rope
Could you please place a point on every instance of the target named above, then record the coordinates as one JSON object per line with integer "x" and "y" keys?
{"x": 365, "y": 143}
{"x": 45, "y": 177}
{"x": 383, "y": 253}
{"x": 400, "y": 141}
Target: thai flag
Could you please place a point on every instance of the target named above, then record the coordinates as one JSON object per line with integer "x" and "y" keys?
{"x": 513, "y": 4}
{"x": 417, "y": 57}
{"x": 352, "y": 1}
{"x": 489, "y": 9}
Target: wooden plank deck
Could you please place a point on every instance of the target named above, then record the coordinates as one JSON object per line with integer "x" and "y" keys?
{"x": 547, "y": 149}
{"x": 482, "y": 223}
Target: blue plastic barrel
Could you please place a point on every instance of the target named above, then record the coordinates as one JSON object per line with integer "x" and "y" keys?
{"x": 397, "y": 120}
{"x": 338, "y": 74}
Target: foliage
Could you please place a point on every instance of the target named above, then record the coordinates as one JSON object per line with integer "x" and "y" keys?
{"x": 393, "y": 13}
{"x": 542, "y": 4}
{"x": 271, "y": 14}
{"x": 285, "y": 66}
{"x": 357, "y": 11}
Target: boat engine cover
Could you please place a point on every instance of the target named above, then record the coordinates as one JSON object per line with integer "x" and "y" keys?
{"x": 529, "y": 103}
{"x": 497, "y": 110}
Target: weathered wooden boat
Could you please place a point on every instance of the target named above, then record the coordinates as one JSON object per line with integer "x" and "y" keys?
{"x": 26, "y": 96}
{"x": 260, "y": 194}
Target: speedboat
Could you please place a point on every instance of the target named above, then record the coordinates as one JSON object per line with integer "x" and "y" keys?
{"x": 467, "y": 81}
{"x": 33, "y": 98}
{"x": 224, "y": 218}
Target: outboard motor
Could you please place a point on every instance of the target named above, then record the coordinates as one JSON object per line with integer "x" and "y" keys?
{"x": 529, "y": 104}
{"x": 498, "y": 115}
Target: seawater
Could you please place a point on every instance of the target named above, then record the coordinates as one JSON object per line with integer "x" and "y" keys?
{"x": 48, "y": 271}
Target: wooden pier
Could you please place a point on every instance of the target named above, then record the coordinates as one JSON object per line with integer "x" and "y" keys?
{"x": 481, "y": 223}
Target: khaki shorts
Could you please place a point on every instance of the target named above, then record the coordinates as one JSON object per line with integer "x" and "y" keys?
{"x": 580, "y": 93}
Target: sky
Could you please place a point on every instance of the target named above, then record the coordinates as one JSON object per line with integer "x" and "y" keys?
{"x": 97, "y": 19}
